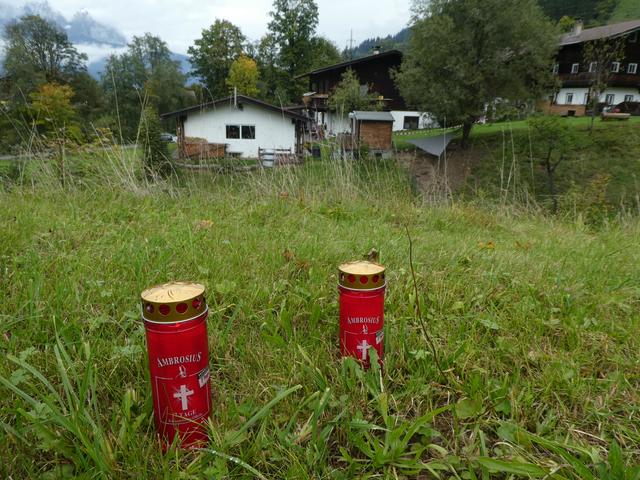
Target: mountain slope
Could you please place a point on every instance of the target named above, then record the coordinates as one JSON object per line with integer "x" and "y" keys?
{"x": 81, "y": 28}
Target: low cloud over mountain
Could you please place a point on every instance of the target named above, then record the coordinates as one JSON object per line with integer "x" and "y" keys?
{"x": 81, "y": 28}
{"x": 95, "y": 39}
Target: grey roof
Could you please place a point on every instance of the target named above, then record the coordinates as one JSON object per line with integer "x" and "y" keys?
{"x": 373, "y": 116}
{"x": 229, "y": 101}
{"x": 434, "y": 145}
{"x": 368, "y": 58}
{"x": 606, "y": 31}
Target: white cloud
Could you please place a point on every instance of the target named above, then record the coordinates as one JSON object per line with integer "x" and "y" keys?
{"x": 96, "y": 52}
{"x": 180, "y": 22}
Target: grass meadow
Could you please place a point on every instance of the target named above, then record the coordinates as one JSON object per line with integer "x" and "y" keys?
{"x": 534, "y": 319}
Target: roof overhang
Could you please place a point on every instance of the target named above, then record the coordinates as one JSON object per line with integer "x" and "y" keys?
{"x": 367, "y": 116}
{"x": 613, "y": 30}
{"x": 237, "y": 100}
{"x": 350, "y": 63}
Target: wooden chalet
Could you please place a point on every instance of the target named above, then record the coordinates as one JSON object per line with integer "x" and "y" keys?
{"x": 373, "y": 70}
{"x": 576, "y": 76}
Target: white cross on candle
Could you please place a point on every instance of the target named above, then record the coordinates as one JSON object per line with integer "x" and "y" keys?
{"x": 183, "y": 395}
{"x": 364, "y": 348}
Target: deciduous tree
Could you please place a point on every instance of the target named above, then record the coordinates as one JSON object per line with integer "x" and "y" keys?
{"x": 273, "y": 79}
{"x": 243, "y": 76}
{"x": 325, "y": 53}
{"x": 292, "y": 27}
{"x": 213, "y": 54}
{"x": 350, "y": 95}
{"x": 464, "y": 54}
{"x": 56, "y": 120}
{"x": 553, "y": 141}
{"x": 144, "y": 74}
{"x": 38, "y": 52}
{"x": 599, "y": 56}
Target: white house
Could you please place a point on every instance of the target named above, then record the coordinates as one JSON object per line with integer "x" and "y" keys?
{"x": 243, "y": 123}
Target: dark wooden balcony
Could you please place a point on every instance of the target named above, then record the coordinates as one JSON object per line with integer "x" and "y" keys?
{"x": 585, "y": 79}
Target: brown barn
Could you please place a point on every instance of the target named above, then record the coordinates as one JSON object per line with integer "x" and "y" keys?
{"x": 373, "y": 129}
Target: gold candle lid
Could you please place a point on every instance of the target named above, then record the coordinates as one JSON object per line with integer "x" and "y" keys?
{"x": 362, "y": 275}
{"x": 173, "y": 302}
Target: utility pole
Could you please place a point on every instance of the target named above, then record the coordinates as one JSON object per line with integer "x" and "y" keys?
{"x": 351, "y": 45}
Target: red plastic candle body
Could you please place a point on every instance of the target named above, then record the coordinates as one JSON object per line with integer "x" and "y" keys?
{"x": 178, "y": 363}
{"x": 361, "y": 310}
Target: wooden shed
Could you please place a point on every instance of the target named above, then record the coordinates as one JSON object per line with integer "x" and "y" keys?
{"x": 373, "y": 129}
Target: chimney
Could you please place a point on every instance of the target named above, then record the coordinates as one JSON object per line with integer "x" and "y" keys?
{"x": 577, "y": 28}
{"x": 376, "y": 50}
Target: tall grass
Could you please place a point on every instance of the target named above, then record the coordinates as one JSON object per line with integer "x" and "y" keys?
{"x": 533, "y": 317}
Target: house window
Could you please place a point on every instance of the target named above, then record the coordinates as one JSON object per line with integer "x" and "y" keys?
{"x": 632, "y": 68}
{"x": 615, "y": 67}
{"x": 569, "y": 99}
{"x": 233, "y": 131}
{"x": 248, "y": 132}
{"x": 575, "y": 68}
{"x": 410, "y": 123}
{"x": 556, "y": 68}
{"x": 610, "y": 98}
{"x": 586, "y": 99}
{"x": 628, "y": 98}
{"x": 593, "y": 67}
{"x": 633, "y": 38}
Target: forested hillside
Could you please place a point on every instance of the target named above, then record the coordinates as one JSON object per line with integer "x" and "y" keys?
{"x": 593, "y": 12}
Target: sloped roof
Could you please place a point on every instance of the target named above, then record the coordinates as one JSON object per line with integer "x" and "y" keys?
{"x": 373, "y": 116}
{"x": 597, "y": 33}
{"x": 356, "y": 61}
{"x": 434, "y": 145}
{"x": 240, "y": 99}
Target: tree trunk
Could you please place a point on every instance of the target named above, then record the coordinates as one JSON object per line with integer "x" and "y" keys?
{"x": 466, "y": 132}
{"x": 552, "y": 185}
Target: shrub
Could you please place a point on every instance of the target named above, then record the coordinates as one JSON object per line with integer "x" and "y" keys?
{"x": 155, "y": 156}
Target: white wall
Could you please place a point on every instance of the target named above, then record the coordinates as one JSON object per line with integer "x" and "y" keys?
{"x": 579, "y": 95}
{"x": 334, "y": 122}
{"x": 273, "y": 130}
{"x": 337, "y": 123}
{"x": 425, "y": 120}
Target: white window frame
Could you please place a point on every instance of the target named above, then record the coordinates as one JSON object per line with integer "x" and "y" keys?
{"x": 556, "y": 68}
{"x": 593, "y": 66}
{"x": 611, "y": 96}
{"x": 568, "y": 98}
{"x": 575, "y": 68}
{"x": 632, "y": 68}
{"x": 629, "y": 98}
{"x": 615, "y": 67}
{"x": 240, "y": 127}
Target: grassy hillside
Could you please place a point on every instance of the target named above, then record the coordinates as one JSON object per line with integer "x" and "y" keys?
{"x": 534, "y": 319}
{"x": 600, "y": 174}
{"x": 626, "y": 10}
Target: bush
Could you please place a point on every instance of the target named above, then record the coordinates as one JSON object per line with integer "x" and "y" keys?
{"x": 155, "y": 157}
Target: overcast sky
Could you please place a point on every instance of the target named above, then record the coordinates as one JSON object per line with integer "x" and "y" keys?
{"x": 179, "y": 22}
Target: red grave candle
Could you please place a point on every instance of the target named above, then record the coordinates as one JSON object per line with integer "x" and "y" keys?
{"x": 361, "y": 285}
{"x": 175, "y": 320}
